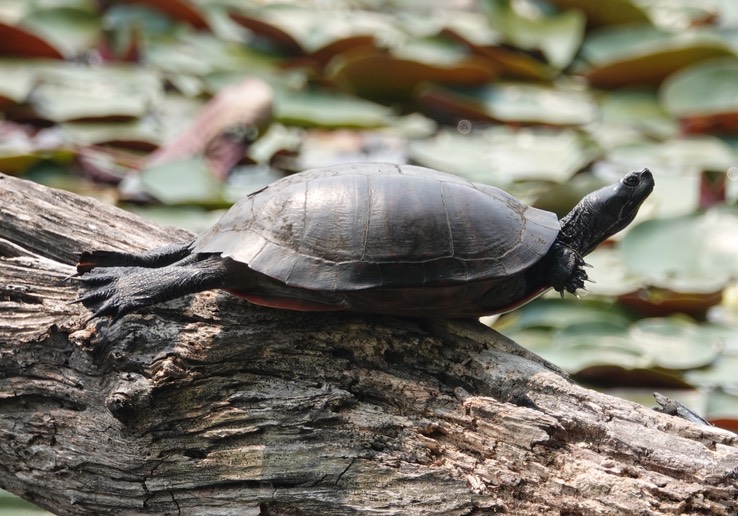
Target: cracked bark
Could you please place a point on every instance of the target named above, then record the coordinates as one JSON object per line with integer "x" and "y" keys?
{"x": 207, "y": 405}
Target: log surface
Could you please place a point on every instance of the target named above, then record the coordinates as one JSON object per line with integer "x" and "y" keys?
{"x": 208, "y": 405}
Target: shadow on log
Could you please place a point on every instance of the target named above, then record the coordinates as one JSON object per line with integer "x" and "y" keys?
{"x": 208, "y": 405}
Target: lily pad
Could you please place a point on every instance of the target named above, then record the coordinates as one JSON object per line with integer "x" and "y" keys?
{"x": 74, "y": 92}
{"x": 628, "y": 55}
{"x": 693, "y": 253}
{"x": 610, "y": 274}
{"x": 559, "y": 314}
{"x": 704, "y": 95}
{"x": 20, "y": 147}
{"x": 318, "y": 32}
{"x": 675, "y": 343}
{"x": 323, "y": 108}
{"x": 19, "y": 78}
{"x": 138, "y": 133}
{"x": 73, "y": 31}
{"x": 20, "y": 42}
{"x": 612, "y": 12}
{"x": 514, "y": 102}
{"x": 556, "y": 36}
{"x": 501, "y": 155}
{"x": 589, "y": 351}
{"x": 637, "y": 111}
{"x": 185, "y": 181}
{"x": 397, "y": 74}
{"x": 722, "y": 372}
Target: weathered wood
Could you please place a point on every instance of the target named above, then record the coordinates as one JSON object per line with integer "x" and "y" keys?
{"x": 207, "y": 405}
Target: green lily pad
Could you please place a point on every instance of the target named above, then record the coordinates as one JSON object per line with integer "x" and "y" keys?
{"x": 556, "y": 36}
{"x": 610, "y": 274}
{"x": 559, "y": 314}
{"x": 19, "y": 79}
{"x": 675, "y": 343}
{"x": 722, "y": 372}
{"x": 322, "y": 108}
{"x": 96, "y": 133}
{"x": 500, "y": 155}
{"x": 192, "y": 218}
{"x": 24, "y": 43}
{"x": 612, "y": 12}
{"x": 703, "y": 89}
{"x": 186, "y": 181}
{"x": 582, "y": 345}
{"x": 71, "y": 30}
{"x": 20, "y": 148}
{"x": 300, "y": 29}
{"x": 722, "y": 409}
{"x": 586, "y": 352}
{"x": 693, "y": 253}
{"x": 73, "y": 92}
{"x": 397, "y": 74}
{"x": 515, "y": 102}
{"x": 637, "y": 111}
{"x": 627, "y": 55}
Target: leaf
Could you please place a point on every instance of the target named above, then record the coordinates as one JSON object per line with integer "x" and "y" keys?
{"x": 514, "y": 102}
{"x": 20, "y": 42}
{"x": 703, "y": 95}
{"x": 675, "y": 343}
{"x": 610, "y": 275}
{"x": 721, "y": 373}
{"x": 323, "y": 108}
{"x": 141, "y": 134}
{"x": 612, "y": 12}
{"x": 557, "y": 36}
{"x": 620, "y": 56}
{"x": 71, "y": 30}
{"x": 18, "y": 79}
{"x": 500, "y": 155}
{"x": 72, "y": 92}
{"x": 626, "y": 115}
{"x": 321, "y": 33}
{"x": 560, "y": 314}
{"x": 693, "y": 253}
{"x": 179, "y": 10}
{"x": 378, "y": 74}
{"x": 185, "y": 181}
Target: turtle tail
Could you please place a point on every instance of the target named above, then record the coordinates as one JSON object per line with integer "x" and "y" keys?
{"x": 116, "y": 291}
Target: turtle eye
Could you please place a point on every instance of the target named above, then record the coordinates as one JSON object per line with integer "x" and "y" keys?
{"x": 631, "y": 180}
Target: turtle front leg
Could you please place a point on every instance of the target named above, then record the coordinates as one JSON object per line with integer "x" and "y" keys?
{"x": 567, "y": 269}
{"x": 116, "y": 291}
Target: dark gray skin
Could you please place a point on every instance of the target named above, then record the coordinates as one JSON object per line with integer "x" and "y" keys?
{"x": 373, "y": 238}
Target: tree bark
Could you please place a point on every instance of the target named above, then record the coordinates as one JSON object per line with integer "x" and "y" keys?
{"x": 208, "y": 405}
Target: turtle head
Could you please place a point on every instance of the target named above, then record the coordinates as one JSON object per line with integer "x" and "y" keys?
{"x": 603, "y": 213}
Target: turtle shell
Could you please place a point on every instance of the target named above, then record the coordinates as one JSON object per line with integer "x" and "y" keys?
{"x": 364, "y": 226}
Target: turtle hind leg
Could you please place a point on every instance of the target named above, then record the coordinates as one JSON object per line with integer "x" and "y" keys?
{"x": 117, "y": 291}
{"x": 158, "y": 257}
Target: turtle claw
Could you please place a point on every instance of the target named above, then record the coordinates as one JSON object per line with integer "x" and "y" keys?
{"x": 582, "y": 292}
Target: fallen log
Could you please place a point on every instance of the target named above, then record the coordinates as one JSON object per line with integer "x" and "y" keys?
{"x": 209, "y": 405}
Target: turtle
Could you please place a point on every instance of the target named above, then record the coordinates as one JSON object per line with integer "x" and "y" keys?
{"x": 376, "y": 238}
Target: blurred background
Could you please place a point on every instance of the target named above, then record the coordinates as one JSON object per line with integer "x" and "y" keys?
{"x": 163, "y": 107}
